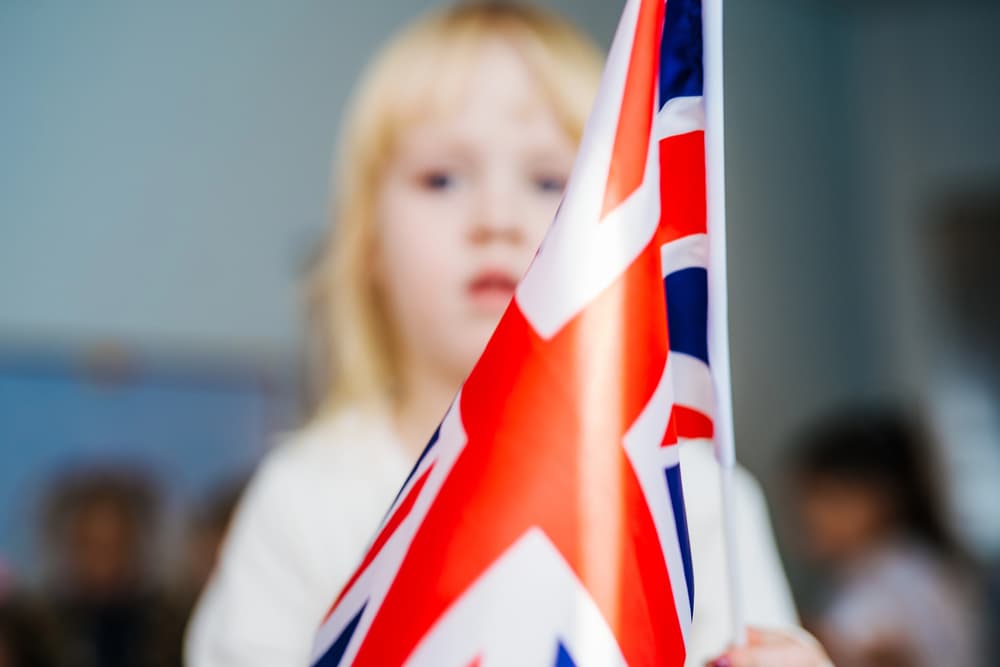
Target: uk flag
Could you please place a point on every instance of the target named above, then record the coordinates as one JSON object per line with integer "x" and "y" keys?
{"x": 544, "y": 523}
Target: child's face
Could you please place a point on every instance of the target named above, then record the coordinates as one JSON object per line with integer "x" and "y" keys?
{"x": 101, "y": 550}
{"x": 841, "y": 519}
{"x": 462, "y": 207}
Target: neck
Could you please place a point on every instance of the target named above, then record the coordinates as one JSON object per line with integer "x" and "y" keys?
{"x": 422, "y": 403}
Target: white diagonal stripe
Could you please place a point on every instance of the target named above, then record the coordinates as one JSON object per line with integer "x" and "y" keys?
{"x": 684, "y": 253}
{"x": 373, "y": 585}
{"x": 583, "y": 253}
{"x": 692, "y": 382}
{"x": 679, "y": 116}
{"x": 516, "y": 610}
{"x": 648, "y": 458}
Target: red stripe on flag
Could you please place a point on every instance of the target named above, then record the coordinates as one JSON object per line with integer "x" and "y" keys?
{"x": 635, "y": 120}
{"x": 686, "y": 423}
{"x": 691, "y": 423}
{"x": 682, "y": 185}
{"x": 670, "y": 434}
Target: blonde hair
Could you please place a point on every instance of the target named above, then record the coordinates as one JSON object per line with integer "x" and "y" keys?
{"x": 421, "y": 69}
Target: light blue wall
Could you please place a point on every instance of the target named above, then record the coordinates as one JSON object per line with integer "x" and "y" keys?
{"x": 163, "y": 166}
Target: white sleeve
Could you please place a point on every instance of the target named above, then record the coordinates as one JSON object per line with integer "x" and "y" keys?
{"x": 257, "y": 609}
{"x": 767, "y": 599}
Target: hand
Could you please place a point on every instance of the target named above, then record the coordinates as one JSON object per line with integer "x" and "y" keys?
{"x": 771, "y": 648}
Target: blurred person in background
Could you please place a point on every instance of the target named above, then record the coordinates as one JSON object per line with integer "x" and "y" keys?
{"x": 873, "y": 515}
{"x": 454, "y": 156}
{"x": 25, "y": 639}
{"x": 99, "y": 596}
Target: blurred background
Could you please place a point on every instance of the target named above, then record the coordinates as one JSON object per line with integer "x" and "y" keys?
{"x": 164, "y": 184}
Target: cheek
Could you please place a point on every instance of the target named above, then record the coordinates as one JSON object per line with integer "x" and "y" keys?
{"x": 543, "y": 209}
{"x": 406, "y": 253}
{"x": 417, "y": 215}
{"x": 407, "y": 274}
{"x": 836, "y": 522}
{"x": 417, "y": 260}
{"x": 410, "y": 232}
{"x": 538, "y": 216}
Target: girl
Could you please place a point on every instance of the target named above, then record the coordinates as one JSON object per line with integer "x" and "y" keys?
{"x": 453, "y": 158}
{"x": 873, "y": 516}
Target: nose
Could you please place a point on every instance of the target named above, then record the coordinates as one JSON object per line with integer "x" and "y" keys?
{"x": 497, "y": 216}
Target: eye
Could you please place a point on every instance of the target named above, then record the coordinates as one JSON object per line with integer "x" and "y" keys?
{"x": 437, "y": 180}
{"x": 550, "y": 184}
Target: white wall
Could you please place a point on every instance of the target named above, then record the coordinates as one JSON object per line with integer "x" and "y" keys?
{"x": 799, "y": 317}
{"x": 927, "y": 88}
{"x": 926, "y": 91}
{"x": 846, "y": 122}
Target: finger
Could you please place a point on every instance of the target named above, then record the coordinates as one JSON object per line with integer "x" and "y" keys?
{"x": 781, "y": 654}
{"x": 762, "y": 637}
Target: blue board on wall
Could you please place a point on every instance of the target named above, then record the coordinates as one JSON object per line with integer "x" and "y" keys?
{"x": 189, "y": 426}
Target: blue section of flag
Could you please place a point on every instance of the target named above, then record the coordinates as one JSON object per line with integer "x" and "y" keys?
{"x": 687, "y": 311}
{"x": 335, "y": 653}
{"x": 681, "y": 51}
{"x": 563, "y": 658}
{"x": 676, "y": 489}
{"x": 416, "y": 466}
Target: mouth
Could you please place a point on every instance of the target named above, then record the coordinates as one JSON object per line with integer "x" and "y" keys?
{"x": 492, "y": 290}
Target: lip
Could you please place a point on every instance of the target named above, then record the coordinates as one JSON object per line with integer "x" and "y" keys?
{"x": 492, "y": 289}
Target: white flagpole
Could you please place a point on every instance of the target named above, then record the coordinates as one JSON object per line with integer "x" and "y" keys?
{"x": 718, "y": 313}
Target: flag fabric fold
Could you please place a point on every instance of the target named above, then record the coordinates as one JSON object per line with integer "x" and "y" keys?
{"x": 544, "y": 523}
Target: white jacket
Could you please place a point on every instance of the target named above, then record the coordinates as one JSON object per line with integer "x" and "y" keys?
{"x": 317, "y": 499}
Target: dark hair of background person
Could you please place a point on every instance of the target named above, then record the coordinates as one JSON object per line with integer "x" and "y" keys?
{"x": 886, "y": 449}
{"x": 129, "y": 496}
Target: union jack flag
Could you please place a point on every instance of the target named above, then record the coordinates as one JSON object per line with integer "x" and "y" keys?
{"x": 544, "y": 523}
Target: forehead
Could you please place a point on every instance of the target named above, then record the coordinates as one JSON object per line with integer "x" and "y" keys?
{"x": 490, "y": 81}
{"x": 499, "y": 80}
